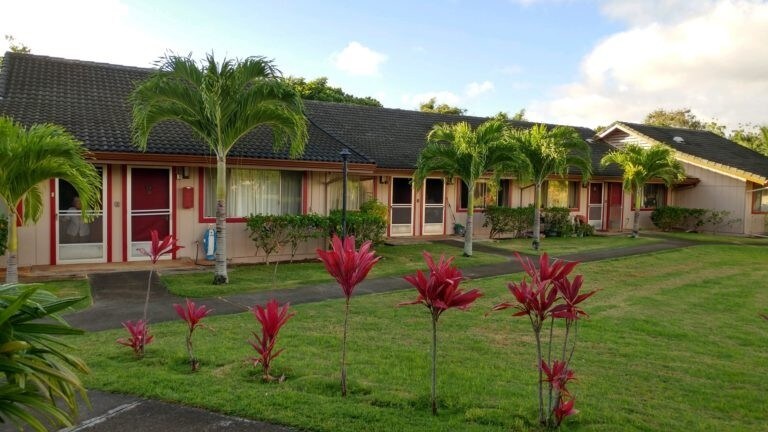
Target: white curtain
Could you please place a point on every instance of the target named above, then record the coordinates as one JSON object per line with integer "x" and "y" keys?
{"x": 255, "y": 192}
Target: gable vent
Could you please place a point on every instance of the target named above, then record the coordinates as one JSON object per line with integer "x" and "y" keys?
{"x": 678, "y": 140}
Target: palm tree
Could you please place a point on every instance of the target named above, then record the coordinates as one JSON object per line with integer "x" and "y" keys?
{"x": 221, "y": 102}
{"x": 456, "y": 150}
{"x": 549, "y": 152}
{"x": 641, "y": 165}
{"x": 31, "y": 156}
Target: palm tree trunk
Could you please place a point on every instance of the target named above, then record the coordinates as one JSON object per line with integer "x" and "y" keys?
{"x": 470, "y": 217}
{"x": 536, "y": 216}
{"x": 12, "y": 264}
{"x": 220, "y": 272}
{"x": 636, "y": 222}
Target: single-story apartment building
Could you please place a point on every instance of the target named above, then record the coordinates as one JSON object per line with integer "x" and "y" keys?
{"x": 170, "y": 187}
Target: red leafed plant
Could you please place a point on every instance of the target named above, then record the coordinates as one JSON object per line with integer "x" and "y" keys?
{"x": 192, "y": 315}
{"x": 550, "y": 295}
{"x": 271, "y": 317}
{"x": 439, "y": 292}
{"x": 349, "y": 267}
{"x": 139, "y": 338}
{"x": 158, "y": 248}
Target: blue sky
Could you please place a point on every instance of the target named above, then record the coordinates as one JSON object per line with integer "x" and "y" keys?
{"x": 582, "y": 62}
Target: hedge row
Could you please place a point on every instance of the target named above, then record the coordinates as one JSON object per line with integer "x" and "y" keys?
{"x": 691, "y": 219}
{"x": 518, "y": 221}
{"x": 271, "y": 233}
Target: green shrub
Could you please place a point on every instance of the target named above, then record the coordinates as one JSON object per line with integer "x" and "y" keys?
{"x": 558, "y": 221}
{"x": 268, "y": 232}
{"x": 514, "y": 220}
{"x": 670, "y": 217}
{"x": 3, "y": 233}
{"x": 302, "y": 228}
{"x": 364, "y": 226}
{"x": 373, "y": 206}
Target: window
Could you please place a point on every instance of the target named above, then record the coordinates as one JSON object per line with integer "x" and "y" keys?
{"x": 560, "y": 193}
{"x": 653, "y": 196}
{"x": 359, "y": 190}
{"x": 759, "y": 199}
{"x": 251, "y": 191}
{"x": 483, "y": 195}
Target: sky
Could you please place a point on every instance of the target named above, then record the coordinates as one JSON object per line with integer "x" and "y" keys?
{"x": 575, "y": 62}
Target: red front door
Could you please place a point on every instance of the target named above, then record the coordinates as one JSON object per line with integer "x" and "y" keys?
{"x": 615, "y": 195}
{"x": 150, "y": 206}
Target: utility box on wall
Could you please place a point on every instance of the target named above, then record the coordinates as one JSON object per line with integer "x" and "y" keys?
{"x": 187, "y": 197}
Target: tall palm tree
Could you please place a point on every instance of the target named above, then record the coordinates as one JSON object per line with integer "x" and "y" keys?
{"x": 549, "y": 152}
{"x": 31, "y": 156}
{"x": 641, "y": 165}
{"x": 221, "y": 103}
{"x": 456, "y": 150}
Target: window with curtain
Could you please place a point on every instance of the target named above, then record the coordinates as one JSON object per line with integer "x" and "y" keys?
{"x": 483, "y": 195}
{"x": 654, "y": 195}
{"x": 359, "y": 190}
{"x": 560, "y": 193}
{"x": 252, "y": 191}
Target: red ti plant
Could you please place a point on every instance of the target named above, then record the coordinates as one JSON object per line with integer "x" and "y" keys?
{"x": 349, "y": 267}
{"x": 139, "y": 338}
{"x": 158, "y": 248}
{"x": 192, "y": 315}
{"x": 271, "y": 317}
{"x": 550, "y": 295}
{"x": 439, "y": 292}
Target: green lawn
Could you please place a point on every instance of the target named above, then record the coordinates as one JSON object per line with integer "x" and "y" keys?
{"x": 559, "y": 246}
{"x": 674, "y": 343}
{"x": 396, "y": 260}
{"x": 70, "y": 288}
{"x": 712, "y": 238}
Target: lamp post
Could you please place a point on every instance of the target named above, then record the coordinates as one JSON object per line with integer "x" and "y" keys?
{"x": 344, "y": 157}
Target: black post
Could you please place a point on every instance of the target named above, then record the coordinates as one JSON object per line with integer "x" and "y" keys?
{"x": 345, "y": 157}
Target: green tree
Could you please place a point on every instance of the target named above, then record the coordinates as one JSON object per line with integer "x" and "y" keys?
{"x": 14, "y": 46}
{"x": 39, "y": 373}
{"x": 682, "y": 118}
{"x": 754, "y": 138}
{"x": 432, "y": 106}
{"x": 319, "y": 90}
{"x": 640, "y": 165}
{"x": 457, "y": 150}
{"x": 31, "y": 156}
{"x": 518, "y": 116}
{"x": 221, "y": 103}
{"x": 547, "y": 152}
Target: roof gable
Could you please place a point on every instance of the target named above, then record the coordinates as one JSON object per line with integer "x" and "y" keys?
{"x": 699, "y": 147}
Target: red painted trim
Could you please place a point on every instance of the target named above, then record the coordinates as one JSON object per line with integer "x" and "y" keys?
{"x": 200, "y": 195}
{"x": 54, "y": 208}
{"x": 305, "y": 194}
{"x": 376, "y": 188}
{"x": 445, "y": 205}
{"x": 124, "y": 181}
{"x": 174, "y": 213}
{"x": 417, "y": 196}
{"x": 108, "y": 213}
{"x": 389, "y": 205}
{"x": 20, "y": 213}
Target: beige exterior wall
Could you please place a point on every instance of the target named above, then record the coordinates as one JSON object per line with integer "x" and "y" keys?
{"x": 717, "y": 191}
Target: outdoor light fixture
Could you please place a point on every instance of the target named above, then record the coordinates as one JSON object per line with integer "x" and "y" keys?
{"x": 383, "y": 180}
{"x": 344, "y": 153}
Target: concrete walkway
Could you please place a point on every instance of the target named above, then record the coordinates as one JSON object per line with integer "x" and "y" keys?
{"x": 120, "y": 296}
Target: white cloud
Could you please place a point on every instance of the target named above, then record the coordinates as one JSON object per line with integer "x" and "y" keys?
{"x": 414, "y": 100}
{"x": 100, "y": 30}
{"x": 715, "y": 62}
{"x": 476, "y": 89}
{"x": 356, "y": 59}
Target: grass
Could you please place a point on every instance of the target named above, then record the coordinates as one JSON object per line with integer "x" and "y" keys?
{"x": 674, "y": 343}
{"x": 560, "y": 246}
{"x": 396, "y": 260}
{"x": 712, "y": 238}
{"x": 70, "y": 288}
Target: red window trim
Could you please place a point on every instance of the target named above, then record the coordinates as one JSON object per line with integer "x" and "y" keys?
{"x": 201, "y": 218}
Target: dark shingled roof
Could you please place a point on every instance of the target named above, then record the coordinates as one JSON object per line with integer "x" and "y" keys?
{"x": 91, "y": 100}
{"x": 706, "y": 145}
